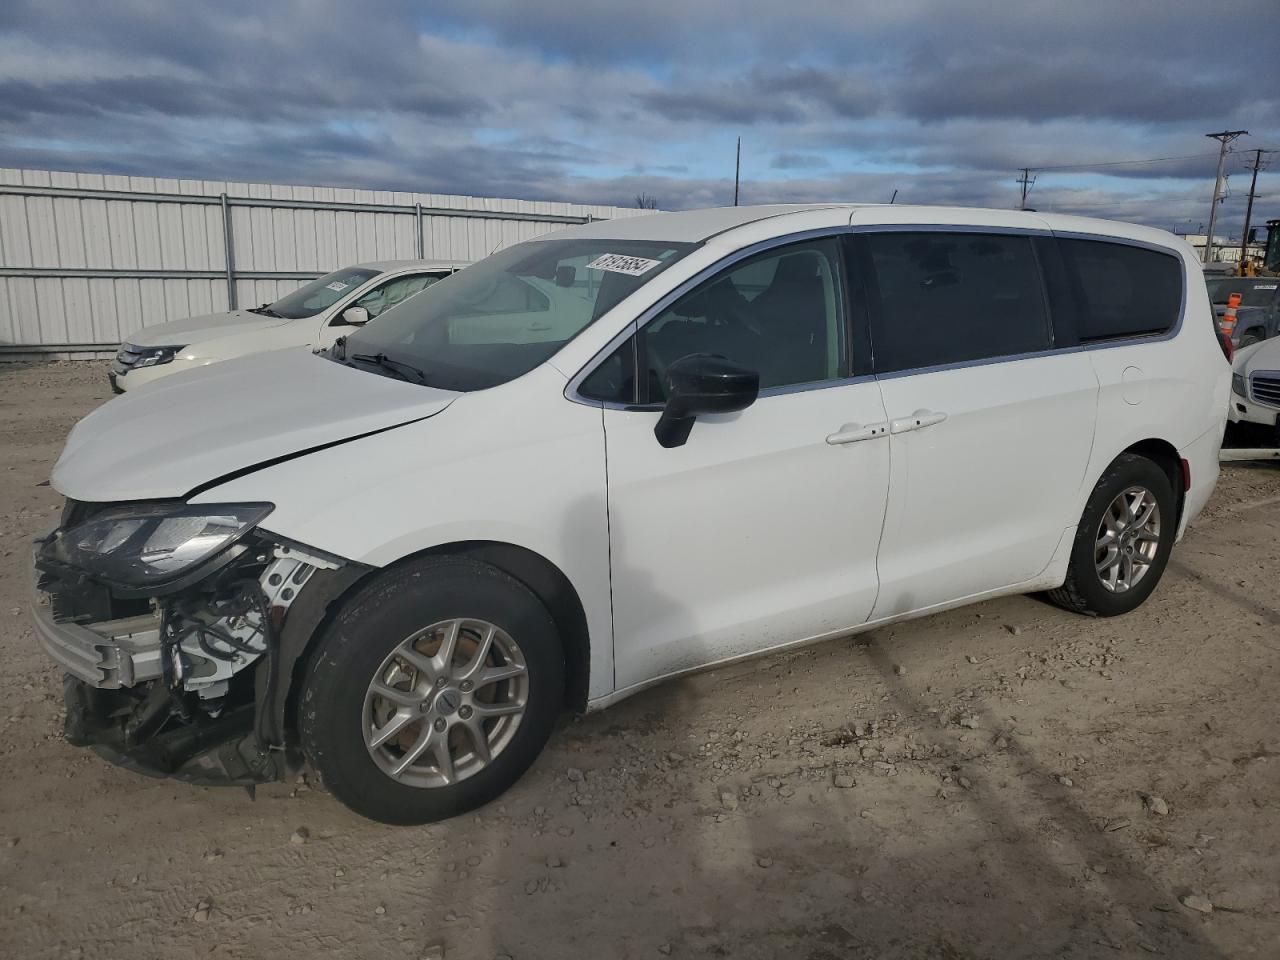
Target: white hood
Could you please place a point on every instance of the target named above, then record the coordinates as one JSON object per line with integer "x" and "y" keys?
{"x": 1258, "y": 356}
{"x": 210, "y": 326}
{"x": 168, "y": 437}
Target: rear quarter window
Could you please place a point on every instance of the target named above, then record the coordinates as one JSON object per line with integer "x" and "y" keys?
{"x": 1121, "y": 290}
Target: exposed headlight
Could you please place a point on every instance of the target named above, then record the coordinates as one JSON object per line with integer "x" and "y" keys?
{"x": 143, "y": 544}
{"x": 134, "y": 357}
{"x": 1238, "y": 385}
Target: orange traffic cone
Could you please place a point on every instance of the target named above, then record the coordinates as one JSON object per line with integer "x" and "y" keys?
{"x": 1228, "y": 321}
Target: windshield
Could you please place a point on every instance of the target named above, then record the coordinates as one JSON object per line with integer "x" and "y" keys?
{"x": 498, "y": 319}
{"x": 1253, "y": 293}
{"x": 311, "y": 298}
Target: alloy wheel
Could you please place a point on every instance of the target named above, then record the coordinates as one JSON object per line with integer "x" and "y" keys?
{"x": 445, "y": 702}
{"x": 1127, "y": 540}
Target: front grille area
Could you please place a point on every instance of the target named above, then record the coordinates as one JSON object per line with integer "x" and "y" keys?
{"x": 1265, "y": 388}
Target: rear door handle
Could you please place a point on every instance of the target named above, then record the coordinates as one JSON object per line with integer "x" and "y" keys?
{"x": 853, "y": 432}
{"x": 917, "y": 421}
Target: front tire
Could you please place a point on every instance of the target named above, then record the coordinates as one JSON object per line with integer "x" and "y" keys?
{"x": 432, "y": 691}
{"x": 1123, "y": 542}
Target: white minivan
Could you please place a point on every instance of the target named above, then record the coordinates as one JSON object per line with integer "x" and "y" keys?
{"x": 612, "y": 455}
{"x": 315, "y": 314}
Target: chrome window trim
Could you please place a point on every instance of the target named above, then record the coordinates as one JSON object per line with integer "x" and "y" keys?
{"x": 571, "y": 389}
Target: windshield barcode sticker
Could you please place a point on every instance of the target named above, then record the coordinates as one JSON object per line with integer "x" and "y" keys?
{"x": 337, "y": 286}
{"x": 617, "y": 263}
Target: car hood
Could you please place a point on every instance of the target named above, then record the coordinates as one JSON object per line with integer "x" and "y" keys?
{"x": 1257, "y": 356}
{"x": 168, "y": 437}
{"x": 190, "y": 330}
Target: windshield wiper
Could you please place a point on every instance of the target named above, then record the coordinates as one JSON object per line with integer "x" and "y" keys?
{"x": 404, "y": 371}
{"x": 266, "y": 311}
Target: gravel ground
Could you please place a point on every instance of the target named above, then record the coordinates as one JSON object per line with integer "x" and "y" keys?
{"x": 1003, "y": 781}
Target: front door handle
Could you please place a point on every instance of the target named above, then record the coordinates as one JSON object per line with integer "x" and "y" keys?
{"x": 853, "y": 432}
{"x": 917, "y": 421}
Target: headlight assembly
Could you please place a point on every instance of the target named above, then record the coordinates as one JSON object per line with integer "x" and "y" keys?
{"x": 134, "y": 357}
{"x": 139, "y": 545}
{"x": 1238, "y": 386}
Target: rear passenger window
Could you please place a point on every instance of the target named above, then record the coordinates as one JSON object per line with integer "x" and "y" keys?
{"x": 1123, "y": 291}
{"x": 954, "y": 297}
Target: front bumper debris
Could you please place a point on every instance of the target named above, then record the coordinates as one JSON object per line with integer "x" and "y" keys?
{"x": 133, "y": 730}
{"x": 192, "y": 684}
{"x": 110, "y": 655}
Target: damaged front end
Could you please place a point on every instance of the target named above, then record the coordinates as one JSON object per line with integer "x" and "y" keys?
{"x": 174, "y": 624}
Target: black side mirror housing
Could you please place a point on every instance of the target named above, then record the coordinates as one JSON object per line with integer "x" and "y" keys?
{"x": 703, "y": 383}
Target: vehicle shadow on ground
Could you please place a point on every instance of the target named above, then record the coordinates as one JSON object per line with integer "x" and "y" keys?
{"x": 1236, "y": 597}
{"x": 810, "y": 870}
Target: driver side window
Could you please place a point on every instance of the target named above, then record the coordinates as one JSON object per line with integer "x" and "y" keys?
{"x": 779, "y": 313}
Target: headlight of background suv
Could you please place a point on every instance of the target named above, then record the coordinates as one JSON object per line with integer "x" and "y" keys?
{"x": 143, "y": 544}
{"x": 134, "y": 357}
{"x": 1238, "y": 385}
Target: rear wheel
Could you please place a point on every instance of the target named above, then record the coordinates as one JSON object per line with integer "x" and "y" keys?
{"x": 432, "y": 692}
{"x": 1123, "y": 542}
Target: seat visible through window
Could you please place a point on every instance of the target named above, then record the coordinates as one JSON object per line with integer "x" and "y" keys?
{"x": 778, "y": 314}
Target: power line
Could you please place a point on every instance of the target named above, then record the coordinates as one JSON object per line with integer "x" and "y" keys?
{"x": 1119, "y": 163}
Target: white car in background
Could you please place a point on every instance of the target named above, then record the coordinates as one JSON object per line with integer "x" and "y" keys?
{"x": 315, "y": 314}
{"x": 1255, "y": 384}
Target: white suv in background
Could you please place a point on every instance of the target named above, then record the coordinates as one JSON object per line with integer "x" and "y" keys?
{"x": 1255, "y": 384}
{"x": 609, "y": 456}
{"x": 315, "y": 314}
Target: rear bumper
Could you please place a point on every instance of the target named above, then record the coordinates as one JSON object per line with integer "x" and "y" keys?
{"x": 1202, "y": 457}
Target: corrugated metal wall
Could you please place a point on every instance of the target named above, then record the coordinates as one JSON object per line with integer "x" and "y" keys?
{"x": 83, "y": 264}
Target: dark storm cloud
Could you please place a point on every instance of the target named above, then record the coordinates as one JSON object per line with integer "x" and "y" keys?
{"x": 558, "y": 99}
{"x": 798, "y": 161}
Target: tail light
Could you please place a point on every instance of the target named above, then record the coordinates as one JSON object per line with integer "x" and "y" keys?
{"x": 1228, "y": 348}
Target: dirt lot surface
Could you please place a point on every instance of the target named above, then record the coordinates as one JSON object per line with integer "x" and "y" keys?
{"x": 1004, "y": 781}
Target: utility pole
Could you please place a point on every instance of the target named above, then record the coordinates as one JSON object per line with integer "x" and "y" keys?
{"x": 1248, "y": 210}
{"x": 1027, "y": 182}
{"x": 1224, "y": 137}
{"x": 737, "y": 171}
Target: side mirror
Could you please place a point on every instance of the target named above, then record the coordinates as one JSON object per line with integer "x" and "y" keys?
{"x": 355, "y": 316}
{"x": 703, "y": 383}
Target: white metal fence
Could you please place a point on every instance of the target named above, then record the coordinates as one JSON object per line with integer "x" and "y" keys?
{"x": 86, "y": 259}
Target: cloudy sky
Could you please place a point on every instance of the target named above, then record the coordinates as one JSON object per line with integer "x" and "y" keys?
{"x": 598, "y": 101}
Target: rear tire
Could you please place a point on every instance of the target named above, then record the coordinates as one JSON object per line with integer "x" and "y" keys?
{"x": 456, "y": 666}
{"x": 1123, "y": 542}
